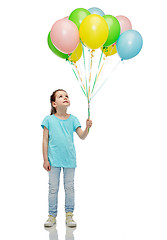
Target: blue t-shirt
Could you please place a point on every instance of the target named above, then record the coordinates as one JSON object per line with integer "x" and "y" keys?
{"x": 61, "y": 150}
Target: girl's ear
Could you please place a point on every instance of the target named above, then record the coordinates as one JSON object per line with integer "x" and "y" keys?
{"x": 54, "y": 104}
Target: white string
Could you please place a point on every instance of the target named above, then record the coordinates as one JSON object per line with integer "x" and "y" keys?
{"x": 105, "y": 62}
{"x": 105, "y": 79}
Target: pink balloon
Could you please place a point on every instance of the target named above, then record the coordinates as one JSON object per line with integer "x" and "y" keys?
{"x": 65, "y": 35}
{"x": 66, "y": 18}
{"x": 124, "y": 23}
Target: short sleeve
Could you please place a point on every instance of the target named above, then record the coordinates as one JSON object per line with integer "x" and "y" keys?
{"x": 76, "y": 124}
{"x": 45, "y": 123}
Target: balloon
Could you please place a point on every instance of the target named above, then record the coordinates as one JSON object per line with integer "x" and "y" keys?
{"x": 129, "y": 44}
{"x": 124, "y": 22}
{"x": 78, "y": 15}
{"x": 55, "y": 50}
{"x": 65, "y": 35}
{"x": 95, "y": 10}
{"x": 111, "y": 50}
{"x": 93, "y": 31}
{"x": 114, "y": 29}
{"x": 76, "y": 55}
{"x": 66, "y": 18}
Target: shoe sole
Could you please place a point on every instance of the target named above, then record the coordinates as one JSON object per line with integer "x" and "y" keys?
{"x": 49, "y": 225}
{"x": 71, "y": 226}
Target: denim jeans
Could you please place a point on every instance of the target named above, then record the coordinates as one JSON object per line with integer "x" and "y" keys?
{"x": 54, "y": 179}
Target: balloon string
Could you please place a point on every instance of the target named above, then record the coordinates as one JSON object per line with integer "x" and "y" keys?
{"x": 100, "y": 70}
{"x": 83, "y": 50}
{"x": 88, "y": 111}
{"x": 77, "y": 78}
{"x": 90, "y": 73}
{"x": 106, "y": 79}
{"x": 98, "y": 73}
{"x": 77, "y": 70}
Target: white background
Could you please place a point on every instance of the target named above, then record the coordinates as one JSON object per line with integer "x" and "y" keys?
{"x": 121, "y": 174}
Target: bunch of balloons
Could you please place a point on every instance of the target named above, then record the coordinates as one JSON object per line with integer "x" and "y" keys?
{"x": 91, "y": 29}
{"x": 94, "y": 29}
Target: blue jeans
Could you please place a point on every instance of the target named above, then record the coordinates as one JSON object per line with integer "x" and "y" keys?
{"x": 54, "y": 179}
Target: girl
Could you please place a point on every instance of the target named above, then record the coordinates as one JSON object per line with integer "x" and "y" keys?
{"x": 59, "y": 153}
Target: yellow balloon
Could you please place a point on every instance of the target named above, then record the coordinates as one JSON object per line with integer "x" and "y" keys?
{"x": 93, "y": 31}
{"x": 76, "y": 55}
{"x": 111, "y": 50}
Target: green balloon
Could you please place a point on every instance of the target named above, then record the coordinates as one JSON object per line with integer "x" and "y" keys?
{"x": 55, "y": 50}
{"x": 114, "y": 29}
{"x": 78, "y": 15}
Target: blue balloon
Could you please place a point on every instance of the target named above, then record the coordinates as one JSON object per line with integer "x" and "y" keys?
{"x": 129, "y": 44}
{"x": 95, "y": 10}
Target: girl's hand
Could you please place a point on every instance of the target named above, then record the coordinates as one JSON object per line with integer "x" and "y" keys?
{"x": 46, "y": 166}
{"x": 88, "y": 123}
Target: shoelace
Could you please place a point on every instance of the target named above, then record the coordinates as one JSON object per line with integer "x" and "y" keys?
{"x": 50, "y": 219}
{"x": 69, "y": 217}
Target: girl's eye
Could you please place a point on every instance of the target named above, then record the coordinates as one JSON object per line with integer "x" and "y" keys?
{"x": 60, "y": 96}
{"x": 67, "y": 96}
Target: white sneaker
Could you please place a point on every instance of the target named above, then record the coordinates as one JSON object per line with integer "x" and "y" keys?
{"x": 69, "y": 220}
{"x": 50, "y": 222}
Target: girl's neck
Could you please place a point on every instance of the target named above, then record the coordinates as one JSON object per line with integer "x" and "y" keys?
{"x": 61, "y": 113}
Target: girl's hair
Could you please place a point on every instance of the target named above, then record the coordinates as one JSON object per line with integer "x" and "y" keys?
{"x": 52, "y": 99}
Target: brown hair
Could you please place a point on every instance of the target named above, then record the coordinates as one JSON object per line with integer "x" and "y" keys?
{"x": 52, "y": 99}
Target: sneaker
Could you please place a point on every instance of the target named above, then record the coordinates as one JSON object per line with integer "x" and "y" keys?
{"x": 50, "y": 222}
{"x": 69, "y": 220}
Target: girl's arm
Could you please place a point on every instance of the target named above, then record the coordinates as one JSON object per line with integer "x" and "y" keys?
{"x": 46, "y": 164}
{"x": 83, "y": 134}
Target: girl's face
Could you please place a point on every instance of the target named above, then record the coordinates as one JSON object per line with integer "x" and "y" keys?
{"x": 61, "y": 100}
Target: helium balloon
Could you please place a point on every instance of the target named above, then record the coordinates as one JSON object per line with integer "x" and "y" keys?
{"x": 95, "y": 10}
{"x": 55, "y": 50}
{"x": 93, "y": 31}
{"x": 76, "y": 55}
{"x": 114, "y": 29}
{"x": 66, "y": 18}
{"x": 65, "y": 35}
{"x": 111, "y": 50}
{"x": 129, "y": 44}
{"x": 78, "y": 15}
{"x": 124, "y": 22}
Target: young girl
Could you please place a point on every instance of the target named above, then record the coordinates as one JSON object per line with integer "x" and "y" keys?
{"x": 59, "y": 153}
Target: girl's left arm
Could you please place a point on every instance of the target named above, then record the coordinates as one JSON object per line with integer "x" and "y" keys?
{"x": 83, "y": 134}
